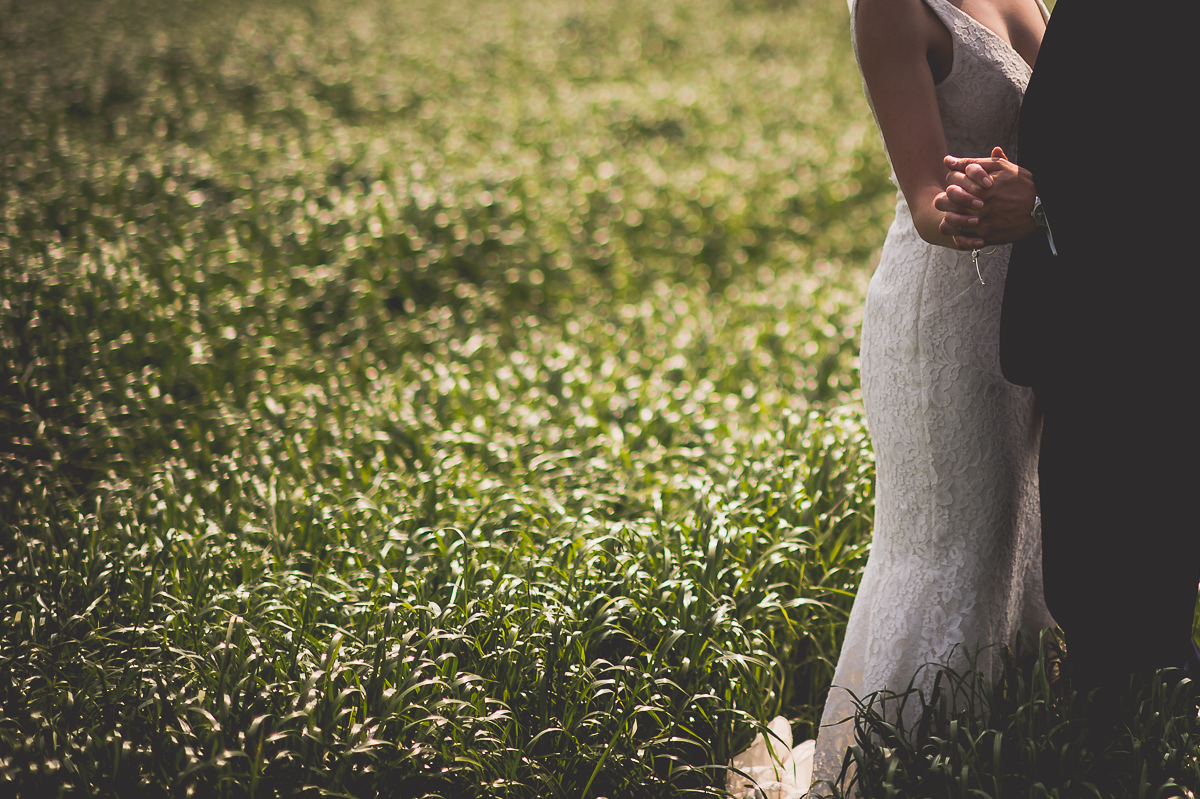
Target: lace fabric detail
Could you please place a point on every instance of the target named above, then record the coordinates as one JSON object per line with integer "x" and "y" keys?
{"x": 955, "y": 565}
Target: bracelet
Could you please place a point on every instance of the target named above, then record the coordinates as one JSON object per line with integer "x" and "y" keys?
{"x": 975, "y": 260}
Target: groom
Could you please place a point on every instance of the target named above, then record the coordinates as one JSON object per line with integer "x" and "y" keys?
{"x": 1100, "y": 317}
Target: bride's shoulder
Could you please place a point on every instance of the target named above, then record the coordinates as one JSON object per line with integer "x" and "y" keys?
{"x": 904, "y": 12}
{"x": 891, "y": 25}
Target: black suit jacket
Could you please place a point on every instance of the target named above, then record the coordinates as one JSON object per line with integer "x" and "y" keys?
{"x": 1108, "y": 130}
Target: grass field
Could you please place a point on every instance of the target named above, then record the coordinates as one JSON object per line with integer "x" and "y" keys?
{"x": 412, "y": 398}
{"x": 421, "y": 397}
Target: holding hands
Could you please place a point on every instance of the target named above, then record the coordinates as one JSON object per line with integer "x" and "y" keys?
{"x": 986, "y": 201}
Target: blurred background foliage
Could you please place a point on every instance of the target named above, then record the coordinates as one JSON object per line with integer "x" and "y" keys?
{"x": 410, "y": 398}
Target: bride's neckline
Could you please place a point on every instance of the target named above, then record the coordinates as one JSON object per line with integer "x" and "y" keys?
{"x": 993, "y": 34}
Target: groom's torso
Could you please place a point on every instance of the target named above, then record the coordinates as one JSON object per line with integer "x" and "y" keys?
{"x": 1102, "y": 130}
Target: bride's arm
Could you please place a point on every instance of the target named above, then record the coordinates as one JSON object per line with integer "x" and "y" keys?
{"x": 895, "y": 39}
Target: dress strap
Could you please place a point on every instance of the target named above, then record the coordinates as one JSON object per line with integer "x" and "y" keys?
{"x": 950, "y": 14}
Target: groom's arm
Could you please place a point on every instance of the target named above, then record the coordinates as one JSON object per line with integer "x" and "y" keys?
{"x": 987, "y": 201}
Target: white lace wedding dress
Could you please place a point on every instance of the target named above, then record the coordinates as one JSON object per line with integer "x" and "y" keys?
{"x": 955, "y": 560}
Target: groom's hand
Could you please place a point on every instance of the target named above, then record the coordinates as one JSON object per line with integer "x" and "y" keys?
{"x": 986, "y": 201}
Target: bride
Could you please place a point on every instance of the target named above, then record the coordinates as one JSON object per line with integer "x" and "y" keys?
{"x": 955, "y": 563}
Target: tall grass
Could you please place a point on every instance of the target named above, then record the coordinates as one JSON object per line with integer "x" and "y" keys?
{"x": 410, "y": 399}
{"x": 1031, "y": 734}
{"x": 455, "y": 399}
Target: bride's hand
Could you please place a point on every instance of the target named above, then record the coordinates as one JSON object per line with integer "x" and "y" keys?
{"x": 961, "y": 199}
{"x": 986, "y": 201}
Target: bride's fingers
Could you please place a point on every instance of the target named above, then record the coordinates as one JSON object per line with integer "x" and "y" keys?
{"x": 957, "y": 226}
{"x": 961, "y": 215}
{"x": 957, "y": 221}
{"x": 949, "y": 227}
{"x": 978, "y": 174}
{"x": 968, "y": 185}
{"x": 964, "y": 196}
{"x": 988, "y": 165}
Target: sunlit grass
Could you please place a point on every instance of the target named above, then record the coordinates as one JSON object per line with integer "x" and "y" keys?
{"x": 436, "y": 398}
{"x": 425, "y": 398}
{"x": 449, "y": 398}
